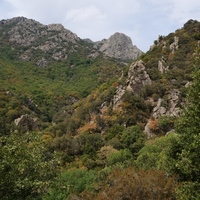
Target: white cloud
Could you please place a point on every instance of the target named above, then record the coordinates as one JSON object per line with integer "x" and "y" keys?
{"x": 84, "y": 14}
{"x": 142, "y": 20}
{"x": 182, "y": 10}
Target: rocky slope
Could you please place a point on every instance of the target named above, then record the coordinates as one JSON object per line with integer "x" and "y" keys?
{"x": 59, "y": 42}
{"x": 152, "y": 87}
{"x": 152, "y": 92}
{"x": 119, "y": 46}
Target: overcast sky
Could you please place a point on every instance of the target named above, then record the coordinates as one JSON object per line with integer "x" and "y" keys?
{"x": 142, "y": 20}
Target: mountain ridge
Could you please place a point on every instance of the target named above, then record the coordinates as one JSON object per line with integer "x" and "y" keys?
{"x": 32, "y": 31}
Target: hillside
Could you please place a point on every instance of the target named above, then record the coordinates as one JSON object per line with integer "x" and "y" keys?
{"x": 96, "y": 111}
{"x": 51, "y": 66}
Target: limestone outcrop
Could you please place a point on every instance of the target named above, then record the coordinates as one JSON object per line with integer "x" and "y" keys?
{"x": 168, "y": 107}
{"x": 58, "y": 42}
{"x": 137, "y": 77}
{"x": 119, "y": 46}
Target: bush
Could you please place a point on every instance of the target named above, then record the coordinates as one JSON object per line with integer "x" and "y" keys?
{"x": 133, "y": 139}
{"x": 130, "y": 184}
{"x": 119, "y": 157}
{"x": 70, "y": 182}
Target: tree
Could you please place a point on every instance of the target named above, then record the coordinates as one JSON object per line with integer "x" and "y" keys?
{"x": 186, "y": 160}
{"x": 130, "y": 184}
{"x": 70, "y": 182}
{"x": 24, "y": 170}
{"x": 119, "y": 157}
{"x": 153, "y": 154}
{"x": 133, "y": 139}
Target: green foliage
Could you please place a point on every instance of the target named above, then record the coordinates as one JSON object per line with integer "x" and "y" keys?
{"x": 133, "y": 139}
{"x": 73, "y": 98}
{"x": 53, "y": 86}
{"x": 70, "y": 182}
{"x": 90, "y": 143}
{"x": 114, "y": 131}
{"x": 119, "y": 157}
{"x": 25, "y": 172}
{"x": 166, "y": 123}
{"x": 188, "y": 128}
{"x": 188, "y": 190}
{"x": 153, "y": 154}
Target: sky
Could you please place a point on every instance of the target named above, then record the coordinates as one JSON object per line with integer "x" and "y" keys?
{"x": 142, "y": 20}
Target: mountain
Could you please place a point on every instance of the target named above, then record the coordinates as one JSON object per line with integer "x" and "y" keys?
{"x": 151, "y": 88}
{"x": 49, "y": 66}
{"x": 119, "y": 46}
{"x": 59, "y": 42}
{"x": 62, "y": 78}
{"x": 93, "y": 112}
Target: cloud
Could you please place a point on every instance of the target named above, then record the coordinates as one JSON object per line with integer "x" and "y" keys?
{"x": 142, "y": 20}
{"x": 177, "y": 11}
{"x": 182, "y": 10}
{"x": 84, "y": 14}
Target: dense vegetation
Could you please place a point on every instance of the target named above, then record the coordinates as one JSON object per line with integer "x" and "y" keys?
{"x": 83, "y": 148}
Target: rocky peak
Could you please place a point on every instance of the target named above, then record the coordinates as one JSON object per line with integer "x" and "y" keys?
{"x": 55, "y": 27}
{"x": 137, "y": 77}
{"x": 59, "y": 42}
{"x": 119, "y": 46}
{"x": 53, "y": 39}
{"x": 25, "y": 31}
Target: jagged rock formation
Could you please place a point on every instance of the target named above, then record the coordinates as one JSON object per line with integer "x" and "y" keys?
{"x": 170, "y": 107}
{"x": 59, "y": 42}
{"x": 119, "y": 46}
{"x": 174, "y": 46}
{"x": 137, "y": 77}
{"x": 165, "y": 107}
{"x": 26, "y": 122}
{"x": 120, "y": 91}
{"x": 27, "y": 31}
{"x": 162, "y": 65}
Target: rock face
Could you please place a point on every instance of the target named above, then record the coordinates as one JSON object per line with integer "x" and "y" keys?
{"x": 168, "y": 107}
{"x": 174, "y": 46}
{"x": 27, "y": 31}
{"x": 118, "y": 96}
{"x": 53, "y": 39}
{"x": 137, "y": 77}
{"x": 162, "y": 65}
{"x": 119, "y": 46}
{"x": 26, "y": 122}
{"x": 58, "y": 43}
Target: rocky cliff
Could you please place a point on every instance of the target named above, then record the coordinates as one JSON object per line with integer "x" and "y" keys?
{"x": 119, "y": 46}
{"x": 59, "y": 42}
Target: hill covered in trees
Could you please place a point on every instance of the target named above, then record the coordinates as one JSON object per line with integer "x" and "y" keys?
{"x": 85, "y": 120}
